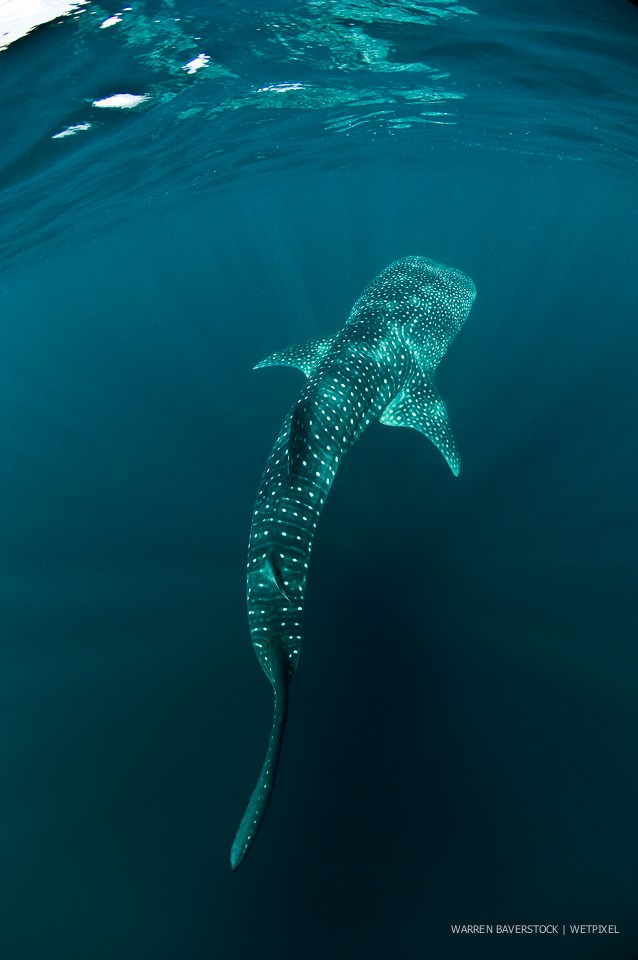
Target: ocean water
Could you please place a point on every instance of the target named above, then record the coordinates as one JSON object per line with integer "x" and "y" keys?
{"x": 462, "y": 733}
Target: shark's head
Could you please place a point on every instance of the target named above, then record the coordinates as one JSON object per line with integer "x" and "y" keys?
{"x": 432, "y": 305}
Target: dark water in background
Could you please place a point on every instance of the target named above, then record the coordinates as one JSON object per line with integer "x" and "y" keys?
{"x": 461, "y": 746}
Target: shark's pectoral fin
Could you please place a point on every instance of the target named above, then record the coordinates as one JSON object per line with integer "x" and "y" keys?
{"x": 420, "y": 406}
{"x": 304, "y": 356}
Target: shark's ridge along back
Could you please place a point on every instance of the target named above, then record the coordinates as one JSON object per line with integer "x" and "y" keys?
{"x": 379, "y": 366}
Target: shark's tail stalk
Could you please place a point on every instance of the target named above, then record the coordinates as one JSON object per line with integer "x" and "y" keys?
{"x": 260, "y": 797}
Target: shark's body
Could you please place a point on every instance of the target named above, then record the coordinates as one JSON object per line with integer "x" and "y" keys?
{"x": 380, "y": 366}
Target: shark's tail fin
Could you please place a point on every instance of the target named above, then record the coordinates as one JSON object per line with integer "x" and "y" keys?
{"x": 260, "y": 798}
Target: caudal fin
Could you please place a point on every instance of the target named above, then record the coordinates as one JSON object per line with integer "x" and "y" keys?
{"x": 260, "y": 798}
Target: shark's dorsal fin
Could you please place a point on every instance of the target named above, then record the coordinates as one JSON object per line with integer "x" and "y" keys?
{"x": 300, "y": 425}
{"x": 419, "y": 405}
{"x": 304, "y": 356}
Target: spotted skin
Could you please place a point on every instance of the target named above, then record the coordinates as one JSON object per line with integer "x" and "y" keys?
{"x": 380, "y": 366}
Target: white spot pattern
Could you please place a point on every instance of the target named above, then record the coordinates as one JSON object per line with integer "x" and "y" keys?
{"x": 379, "y": 366}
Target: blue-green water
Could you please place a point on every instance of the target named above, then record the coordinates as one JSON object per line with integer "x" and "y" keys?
{"x": 462, "y": 735}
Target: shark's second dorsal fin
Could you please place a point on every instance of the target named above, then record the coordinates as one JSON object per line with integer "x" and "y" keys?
{"x": 272, "y": 571}
{"x": 419, "y": 405}
{"x": 304, "y": 356}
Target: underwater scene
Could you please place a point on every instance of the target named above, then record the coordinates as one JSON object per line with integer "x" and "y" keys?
{"x": 420, "y": 221}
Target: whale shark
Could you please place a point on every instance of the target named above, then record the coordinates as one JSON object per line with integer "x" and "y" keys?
{"x": 379, "y": 366}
